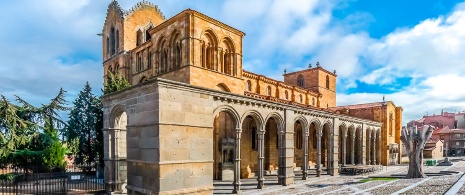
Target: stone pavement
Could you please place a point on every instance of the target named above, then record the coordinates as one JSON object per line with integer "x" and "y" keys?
{"x": 441, "y": 180}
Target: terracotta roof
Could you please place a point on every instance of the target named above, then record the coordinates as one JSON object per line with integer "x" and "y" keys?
{"x": 445, "y": 130}
{"x": 438, "y": 130}
{"x": 432, "y": 141}
{"x": 431, "y": 148}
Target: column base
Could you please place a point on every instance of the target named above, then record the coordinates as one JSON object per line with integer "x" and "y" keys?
{"x": 304, "y": 175}
{"x": 261, "y": 184}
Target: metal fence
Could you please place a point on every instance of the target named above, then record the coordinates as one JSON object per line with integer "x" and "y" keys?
{"x": 76, "y": 179}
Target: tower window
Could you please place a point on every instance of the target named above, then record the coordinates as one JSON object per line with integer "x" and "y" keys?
{"x": 139, "y": 38}
{"x": 285, "y": 95}
{"x": 300, "y": 81}
{"x": 268, "y": 91}
{"x": 116, "y": 41}
{"x": 313, "y": 101}
{"x": 149, "y": 60}
{"x": 248, "y": 85}
{"x": 300, "y": 98}
{"x": 138, "y": 62}
{"x": 112, "y": 40}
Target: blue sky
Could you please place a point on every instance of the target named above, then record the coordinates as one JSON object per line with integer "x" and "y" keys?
{"x": 412, "y": 52}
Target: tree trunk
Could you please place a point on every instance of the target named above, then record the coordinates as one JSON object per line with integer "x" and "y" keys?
{"x": 415, "y": 168}
{"x": 414, "y": 141}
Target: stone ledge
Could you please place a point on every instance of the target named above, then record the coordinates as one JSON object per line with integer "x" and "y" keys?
{"x": 206, "y": 190}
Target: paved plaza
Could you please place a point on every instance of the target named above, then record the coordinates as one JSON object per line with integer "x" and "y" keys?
{"x": 440, "y": 180}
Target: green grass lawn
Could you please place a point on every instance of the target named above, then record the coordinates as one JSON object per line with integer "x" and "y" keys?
{"x": 375, "y": 179}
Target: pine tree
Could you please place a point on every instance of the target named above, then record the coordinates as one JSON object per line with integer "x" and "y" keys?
{"x": 84, "y": 123}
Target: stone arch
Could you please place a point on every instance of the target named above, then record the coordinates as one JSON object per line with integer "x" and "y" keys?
{"x": 116, "y": 152}
{"x": 327, "y": 122}
{"x": 277, "y": 117}
{"x": 229, "y": 43}
{"x": 317, "y": 122}
{"x": 210, "y": 34}
{"x": 344, "y": 126}
{"x": 231, "y": 111}
{"x": 161, "y": 54}
{"x": 273, "y": 127}
{"x": 255, "y": 115}
{"x": 117, "y": 111}
{"x": 303, "y": 121}
{"x": 223, "y": 87}
{"x": 228, "y": 62}
{"x": 208, "y": 49}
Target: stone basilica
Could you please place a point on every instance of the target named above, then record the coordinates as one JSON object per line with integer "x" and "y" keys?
{"x": 194, "y": 116}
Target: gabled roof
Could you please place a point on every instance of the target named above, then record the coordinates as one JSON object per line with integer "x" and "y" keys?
{"x": 439, "y": 130}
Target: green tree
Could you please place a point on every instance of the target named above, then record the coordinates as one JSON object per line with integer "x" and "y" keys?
{"x": 26, "y": 130}
{"x": 115, "y": 83}
{"x": 85, "y": 123}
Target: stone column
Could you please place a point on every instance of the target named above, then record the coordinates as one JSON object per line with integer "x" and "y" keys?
{"x": 330, "y": 157}
{"x": 374, "y": 150}
{"x": 237, "y": 163}
{"x": 360, "y": 148}
{"x": 261, "y": 144}
{"x": 352, "y": 155}
{"x": 369, "y": 149}
{"x": 344, "y": 145}
{"x": 305, "y": 170}
{"x": 318, "y": 149}
{"x": 281, "y": 158}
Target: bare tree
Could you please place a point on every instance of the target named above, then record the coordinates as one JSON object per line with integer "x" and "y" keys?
{"x": 414, "y": 141}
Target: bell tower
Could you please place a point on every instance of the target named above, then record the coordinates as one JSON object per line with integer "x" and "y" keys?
{"x": 316, "y": 79}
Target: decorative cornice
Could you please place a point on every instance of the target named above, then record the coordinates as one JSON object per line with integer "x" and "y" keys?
{"x": 200, "y": 15}
{"x": 141, "y": 4}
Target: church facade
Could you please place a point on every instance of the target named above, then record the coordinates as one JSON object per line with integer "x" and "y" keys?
{"x": 193, "y": 115}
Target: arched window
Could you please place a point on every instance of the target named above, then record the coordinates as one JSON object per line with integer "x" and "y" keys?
{"x": 313, "y": 101}
{"x": 300, "y": 98}
{"x": 227, "y": 63}
{"x": 391, "y": 123}
{"x": 208, "y": 59}
{"x": 147, "y": 34}
{"x": 139, "y": 38}
{"x": 327, "y": 82}
{"x": 149, "y": 60}
{"x": 117, "y": 68}
{"x": 268, "y": 91}
{"x": 116, "y": 41}
{"x": 110, "y": 69}
{"x": 300, "y": 81}
{"x": 108, "y": 46}
{"x": 139, "y": 65}
{"x": 112, "y": 40}
{"x": 178, "y": 55}
{"x": 165, "y": 60}
{"x": 285, "y": 95}
{"x": 248, "y": 85}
